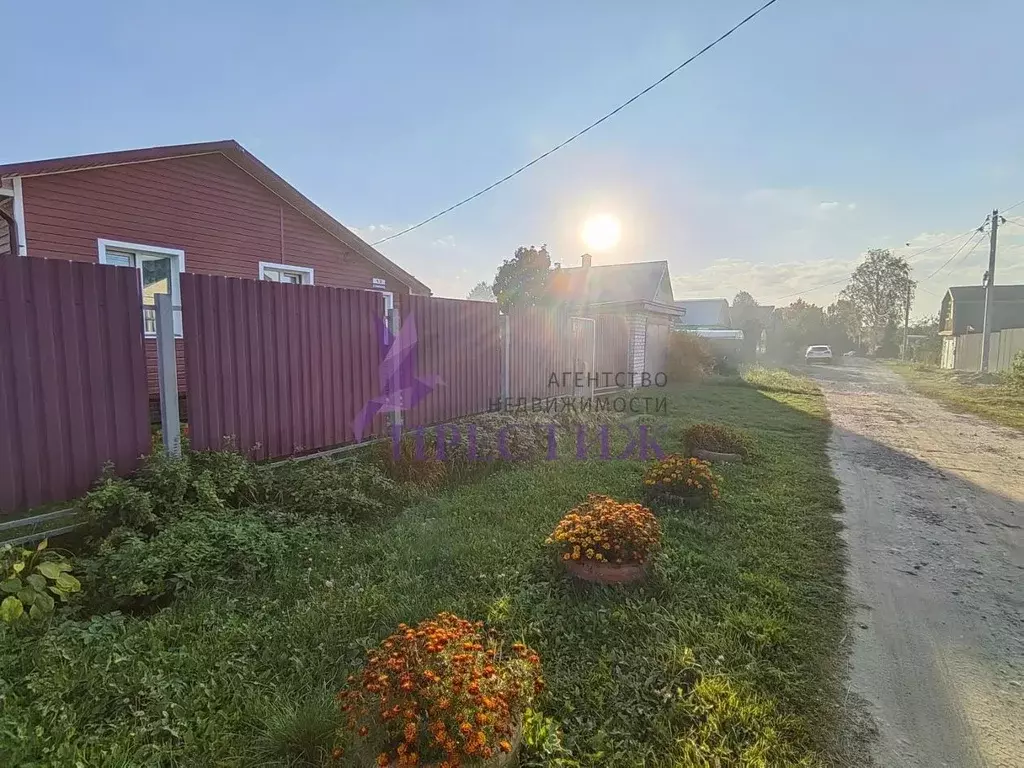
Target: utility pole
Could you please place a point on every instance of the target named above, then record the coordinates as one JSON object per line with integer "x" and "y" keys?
{"x": 986, "y": 331}
{"x": 906, "y": 321}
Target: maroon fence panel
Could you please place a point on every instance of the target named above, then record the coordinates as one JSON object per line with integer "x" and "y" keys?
{"x": 457, "y": 342}
{"x": 276, "y": 369}
{"x": 540, "y": 344}
{"x": 612, "y": 354}
{"x": 73, "y": 392}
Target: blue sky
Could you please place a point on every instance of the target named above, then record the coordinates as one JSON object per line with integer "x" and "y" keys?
{"x": 821, "y": 129}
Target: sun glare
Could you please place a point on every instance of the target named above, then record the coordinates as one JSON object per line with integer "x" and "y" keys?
{"x": 601, "y": 232}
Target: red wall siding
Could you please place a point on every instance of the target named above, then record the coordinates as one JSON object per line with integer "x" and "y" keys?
{"x": 224, "y": 220}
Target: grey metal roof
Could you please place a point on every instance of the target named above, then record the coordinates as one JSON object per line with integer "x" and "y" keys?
{"x": 967, "y": 305}
{"x": 704, "y": 313}
{"x": 637, "y": 281}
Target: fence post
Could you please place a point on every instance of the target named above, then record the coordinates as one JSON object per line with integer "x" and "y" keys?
{"x": 167, "y": 375}
{"x": 396, "y": 415}
{"x": 506, "y": 372}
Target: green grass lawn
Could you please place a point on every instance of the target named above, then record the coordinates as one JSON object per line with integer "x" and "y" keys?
{"x": 988, "y": 396}
{"x": 730, "y": 655}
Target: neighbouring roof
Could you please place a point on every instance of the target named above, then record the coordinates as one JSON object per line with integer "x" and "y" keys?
{"x": 611, "y": 283}
{"x": 704, "y": 313}
{"x": 966, "y": 304}
{"x": 245, "y": 160}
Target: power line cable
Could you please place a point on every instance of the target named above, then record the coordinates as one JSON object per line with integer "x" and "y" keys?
{"x": 576, "y": 135}
{"x": 979, "y": 230}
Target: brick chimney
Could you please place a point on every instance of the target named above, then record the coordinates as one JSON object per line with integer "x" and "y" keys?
{"x": 586, "y": 259}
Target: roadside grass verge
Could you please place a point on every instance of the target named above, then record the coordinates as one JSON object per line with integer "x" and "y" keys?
{"x": 728, "y": 656}
{"x": 984, "y": 395}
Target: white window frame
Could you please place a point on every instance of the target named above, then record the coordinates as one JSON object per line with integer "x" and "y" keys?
{"x": 177, "y": 256}
{"x": 306, "y": 272}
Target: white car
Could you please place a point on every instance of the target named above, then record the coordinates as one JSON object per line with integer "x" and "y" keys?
{"x": 820, "y": 353}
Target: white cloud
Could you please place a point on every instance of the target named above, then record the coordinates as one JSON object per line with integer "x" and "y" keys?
{"x": 820, "y": 281}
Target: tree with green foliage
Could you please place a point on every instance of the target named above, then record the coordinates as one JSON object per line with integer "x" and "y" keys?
{"x": 482, "y": 291}
{"x": 844, "y": 325}
{"x": 878, "y": 289}
{"x": 746, "y": 315}
{"x": 797, "y": 327}
{"x": 522, "y": 281}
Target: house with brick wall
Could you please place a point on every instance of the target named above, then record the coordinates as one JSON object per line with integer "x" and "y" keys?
{"x": 633, "y": 306}
{"x": 210, "y": 208}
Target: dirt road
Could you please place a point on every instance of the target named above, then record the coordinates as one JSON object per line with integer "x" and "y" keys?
{"x": 934, "y": 515}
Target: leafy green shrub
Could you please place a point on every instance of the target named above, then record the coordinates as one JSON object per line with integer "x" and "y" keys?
{"x": 223, "y": 478}
{"x": 718, "y": 438}
{"x": 31, "y": 578}
{"x": 1016, "y": 373}
{"x": 131, "y": 572}
{"x": 687, "y": 358}
{"x": 326, "y": 489}
{"x": 118, "y": 503}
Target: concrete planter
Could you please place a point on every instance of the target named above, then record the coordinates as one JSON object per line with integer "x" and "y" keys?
{"x": 606, "y": 573}
{"x": 713, "y": 457}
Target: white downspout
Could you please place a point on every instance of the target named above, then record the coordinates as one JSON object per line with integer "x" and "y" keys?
{"x": 19, "y": 216}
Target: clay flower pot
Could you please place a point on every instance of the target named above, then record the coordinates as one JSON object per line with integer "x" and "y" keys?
{"x": 597, "y": 572}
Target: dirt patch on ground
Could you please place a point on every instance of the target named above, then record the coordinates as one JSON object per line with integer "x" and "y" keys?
{"x": 934, "y": 509}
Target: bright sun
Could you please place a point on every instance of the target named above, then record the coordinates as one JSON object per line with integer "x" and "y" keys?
{"x": 601, "y": 232}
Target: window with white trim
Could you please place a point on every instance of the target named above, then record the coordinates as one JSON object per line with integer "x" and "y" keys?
{"x": 286, "y": 273}
{"x": 159, "y": 272}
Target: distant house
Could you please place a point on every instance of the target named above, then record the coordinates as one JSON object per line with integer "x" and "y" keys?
{"x": 210, "y": 208}
{"x": 962, "y": 320}
{"x": 632, "y": 300}
{"x": 704, "y": 313}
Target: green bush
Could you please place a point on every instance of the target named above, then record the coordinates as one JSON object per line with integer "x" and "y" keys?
{"x": 687, "y": 358}
{"x": 30, "y": 580}
{"x": 718, "y": 438}
{"x": 325, "y": 489}
{"x": 1016, "y": 373}
{"x": 118, "y": 503}
{"x": 131, "y": 572}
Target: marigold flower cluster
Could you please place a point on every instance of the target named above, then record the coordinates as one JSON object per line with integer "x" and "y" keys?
{"x": 605, "y": 530}
{"x": 681, "y": 477}
{"x": 441, "y": 692}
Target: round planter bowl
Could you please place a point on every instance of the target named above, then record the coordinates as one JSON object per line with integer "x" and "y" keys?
{"x": 606, "y": 573}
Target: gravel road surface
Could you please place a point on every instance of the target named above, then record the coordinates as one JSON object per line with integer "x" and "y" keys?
{"x": 934, "y": 510}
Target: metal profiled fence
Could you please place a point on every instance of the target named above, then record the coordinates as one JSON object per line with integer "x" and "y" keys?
{"x": 459, "y": 343}
{"x": 276, "y": 369}
{"x": 73, "y": 393}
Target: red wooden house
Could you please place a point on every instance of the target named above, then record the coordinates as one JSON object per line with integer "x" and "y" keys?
{"x": 209, "y": 208}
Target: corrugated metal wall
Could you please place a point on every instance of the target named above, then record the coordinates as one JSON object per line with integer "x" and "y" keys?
{"x": 73, "y": 393}
{"x": 278, "y": 369}
{"x": 540, "y": 344}
{"x": 460, "y": 342}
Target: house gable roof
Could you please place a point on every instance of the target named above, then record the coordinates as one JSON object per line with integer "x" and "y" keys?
{"x": 246, "y": 161}
{"x": 966, "y": 303}
{"x": 609, "y": 283}
{"x": 704, "y": 312}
